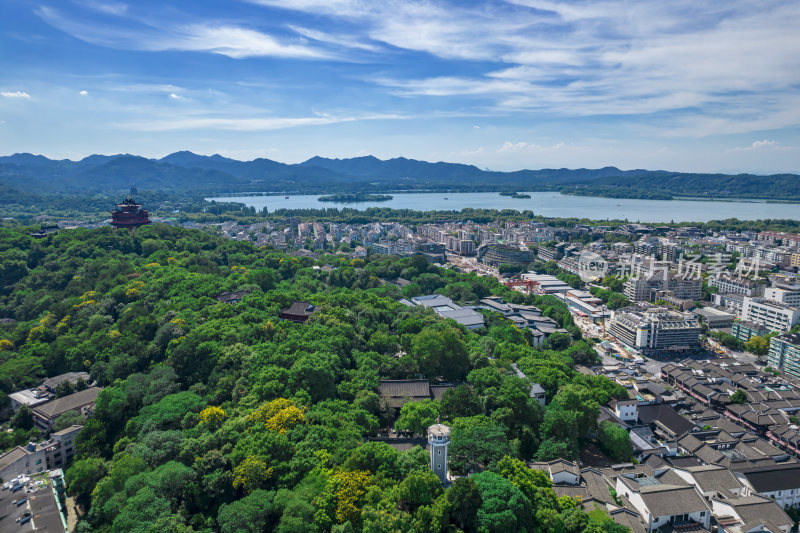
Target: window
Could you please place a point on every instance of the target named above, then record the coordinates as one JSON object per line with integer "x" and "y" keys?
{"x": 38, "y": 461}
{"x": 438, "y": 452}
{"x": 438, "y": 467}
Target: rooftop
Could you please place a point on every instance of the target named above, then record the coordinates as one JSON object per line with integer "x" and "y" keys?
{"x": 67, "y": 403}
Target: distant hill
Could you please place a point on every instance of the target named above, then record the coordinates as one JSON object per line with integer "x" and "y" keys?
{"x": 187, "y": 172}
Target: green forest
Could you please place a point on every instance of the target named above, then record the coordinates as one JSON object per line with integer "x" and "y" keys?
{"x": 219, "y": 417}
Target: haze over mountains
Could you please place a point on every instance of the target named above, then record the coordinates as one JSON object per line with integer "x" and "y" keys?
{"x": 192, "y": 173}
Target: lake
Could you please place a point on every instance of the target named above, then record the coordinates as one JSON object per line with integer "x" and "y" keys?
{"x": 549, "y": 204}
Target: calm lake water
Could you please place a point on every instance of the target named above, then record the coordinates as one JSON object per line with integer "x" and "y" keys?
{"x": 549, "y": 204}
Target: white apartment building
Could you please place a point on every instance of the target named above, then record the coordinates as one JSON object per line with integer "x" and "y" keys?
{"x": 783, "y": 296}
{"x": 773, "y": 316}
{"x": 733, "y": 285}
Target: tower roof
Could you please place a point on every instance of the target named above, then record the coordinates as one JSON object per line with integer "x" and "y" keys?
{"x": 439, "y": 430}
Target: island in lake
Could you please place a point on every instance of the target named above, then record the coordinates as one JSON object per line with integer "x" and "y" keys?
{"x": 515, "y": 194}
{"x": 358, "y": 197}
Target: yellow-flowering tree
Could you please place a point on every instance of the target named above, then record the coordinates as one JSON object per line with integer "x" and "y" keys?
{"x": 5, "y": 344}
{"x": 349, "y": 487}
{"x": 213, "y": 416}
{"x": 279, "y": 415}
{"x": 251, "y": 473}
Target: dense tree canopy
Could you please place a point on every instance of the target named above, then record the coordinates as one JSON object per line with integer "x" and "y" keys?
{"x": 219, "y": 417}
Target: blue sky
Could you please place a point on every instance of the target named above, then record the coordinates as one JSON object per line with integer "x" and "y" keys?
{"x": 679, "y": 85}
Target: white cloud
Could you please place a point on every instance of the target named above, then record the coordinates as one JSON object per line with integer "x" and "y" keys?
{"x": 108, "y": 8}
{"x": 174, "y": 96}
{"x": 231, "y": 40}
{"x": 15, "y": 94}
{"x": 339, "y": 40}
{"x": 249, "y": 124}
{"x": 758, "y": 145}
{"x": 83, "y": 93}
{"x": 508, "y": 146}
{"x": 763, "y": 144}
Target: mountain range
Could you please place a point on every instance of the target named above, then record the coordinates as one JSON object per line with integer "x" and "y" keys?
{"x": 190, "y": 173}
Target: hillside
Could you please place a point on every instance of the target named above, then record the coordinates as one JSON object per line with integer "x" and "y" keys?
{"x": 184, "y": 172}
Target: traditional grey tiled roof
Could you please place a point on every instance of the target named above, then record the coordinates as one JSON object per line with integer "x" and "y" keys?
{"x": 397, "y": 392}
{"x": 560, "y": 465}
{"x": 690, "y": 443}
{"x": 11, "y": 456}
{"x": 628, "y": 518}
{"x": 596, "y": 484}
{"x": 715, "y": 478}
{"x": 773, "y": 477}
{"x": 72, "y": 377}
{"x": 59, "y": 406}
{"x": 664, "y": 415}
{"x": 755, "y": 509}
{"x": 669, "y": 500}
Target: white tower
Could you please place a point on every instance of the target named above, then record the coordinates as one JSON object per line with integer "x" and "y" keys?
{"x": 438, "y": 439}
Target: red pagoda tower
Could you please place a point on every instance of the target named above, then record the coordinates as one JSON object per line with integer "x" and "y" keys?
{"x": 129, "y": 214}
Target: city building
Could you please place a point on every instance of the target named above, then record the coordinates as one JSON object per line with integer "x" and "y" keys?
{"x": 727, "y": 284}
{"x": 664, "y": 504}
{"x": 714, "y": 318}
{"x": 744, "y": 331}
{"x": 646, "y": 288}
{"x": 772, "y": 316}
{"x": 784, "y": 353}
{"x": 730, "y": 301}
{"x": 789, "y": 297}
{"x": 47, "y": 390}
{"x": 34, "y": 503}
{"x": 498, "y": 254}
{"x": 83, "y": 402}
{"x": 56, "y": 452}
{"x": 549, "y": 253}
{"x": 780, "y": 482}
{"x": 446, "y": 308}
{"x": 654, "y": 329}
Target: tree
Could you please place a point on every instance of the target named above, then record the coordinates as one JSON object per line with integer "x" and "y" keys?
{"x": 757, "y": 345}
{"x": 375, "y": 457}
{"x": 417, "y": 417}
{"x": 525, "y": 479}
{"x": 739, "y": 397}
{"x": 465, "y": 499}
{"x": 503, "y": 506}
{"x": 579, "y": 400}
{"x": 441, "y": 352}
{"x": 459, "y": 402}
{"x": 83, "y": 475}
{"x": 475, "y": 442}
{"x": 23, "y": 418}
{"x": 551, "y": 449}
{"x": 558, "y": 340}
{"x": 419, "y": 488}
{"x": 70, "y": 418}
{"x": 615, "y": 441}
{"x": 251, "y": 514}
{"x": 251, "y": 474}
